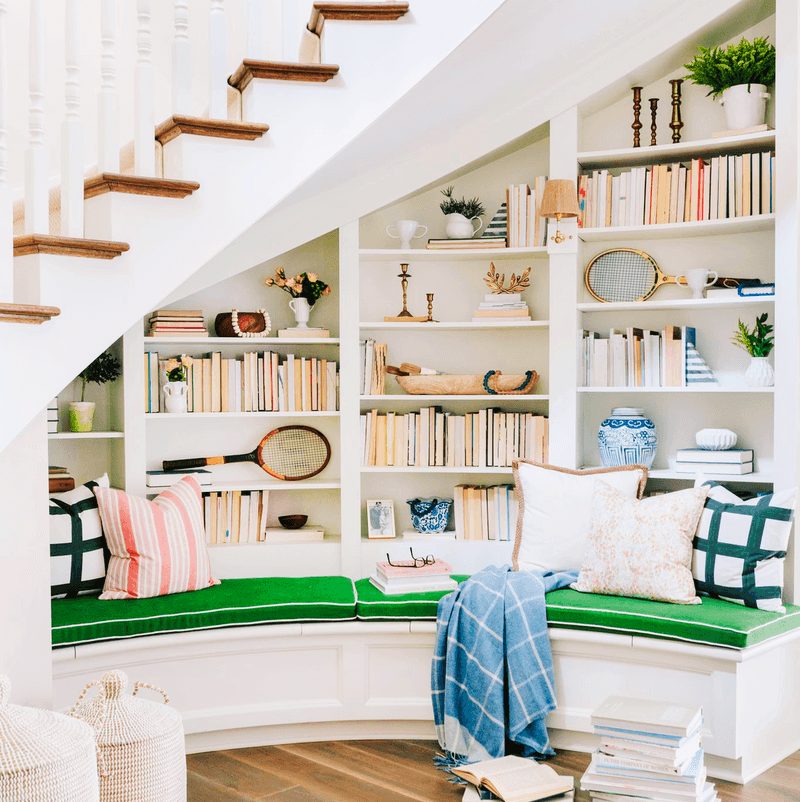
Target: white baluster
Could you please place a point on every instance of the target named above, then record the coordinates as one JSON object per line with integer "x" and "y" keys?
{"x": 143, "y": 91}
{"x": 256, "y": 30}
{"x": 218, "y": 102}
{"x": 181, "y": 61}
{"x": 6, "y": 214}
{"x": 72, "y": 131}
{"x": 37, "y": 205}
{"x": 107, "y": 112}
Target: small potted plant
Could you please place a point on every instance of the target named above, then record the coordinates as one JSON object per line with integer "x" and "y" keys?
{"x": 738, "y": 76}
{"x": 758, "y": 342}
{"x": 106, "y": 368}
{"x": 176, "y": 390}
{"x": 305, "y": 288}
{"x": 460, "y": 215}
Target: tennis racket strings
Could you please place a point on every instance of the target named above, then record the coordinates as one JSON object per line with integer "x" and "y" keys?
{"x": 295, "y": 452}
{"x": 621, "y": 276}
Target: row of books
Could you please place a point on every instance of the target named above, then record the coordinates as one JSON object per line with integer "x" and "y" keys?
{"x": 731, "y": 461}
{"x": 505, "y": 308}
{"x": 177, "y": 323}
{"x": 639, "y": 358}
{"x": 526, "y": 229}
{"x": 485, "y": 513}
{"x": 738, "y": 185}
{"x": 407, "y": 576}
{"x": 489, "y": 438}
{"x": 258, "y": 382}
{"x": 649, "y": 750}
{"x": 372, "y": 356}
{"x": 466, "y": 244}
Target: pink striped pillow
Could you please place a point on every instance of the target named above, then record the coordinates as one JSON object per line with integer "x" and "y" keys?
{"x": 157, "y": 547}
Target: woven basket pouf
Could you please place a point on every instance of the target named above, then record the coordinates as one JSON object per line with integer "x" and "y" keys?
{"x": 44, "y": 756}
{"x": 140, "y": 744}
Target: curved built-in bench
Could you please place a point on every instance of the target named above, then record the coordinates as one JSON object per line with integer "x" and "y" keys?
{"x": 256, "y": 661}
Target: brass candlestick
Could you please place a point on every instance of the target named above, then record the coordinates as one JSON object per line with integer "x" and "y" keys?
{"x": 676, "y": 123}
{"x": 404, "y": 276}
{"x": 637, "y": 107}
{"x": 429, "y": 296}
{"x": 653, "y": 107}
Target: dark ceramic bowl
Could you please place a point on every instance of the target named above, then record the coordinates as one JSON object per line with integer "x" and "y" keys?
{"x": 292, "y": 521}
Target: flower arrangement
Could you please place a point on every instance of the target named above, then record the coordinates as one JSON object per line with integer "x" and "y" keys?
{"x": 303, "y": 285}
{"x": 469, "y": 208}
{"x": 758, "y": 341}
{"x": 106, "y": 368}
{"x": 176, "y": 370}
{"x": 743, "y": 63}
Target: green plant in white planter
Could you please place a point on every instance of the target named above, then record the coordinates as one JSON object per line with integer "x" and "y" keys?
{"x": 758, "y": 342}
{"x": 460, "y": 215}
{"x": 106, "y": 368}
{"x": 738, "y": 76}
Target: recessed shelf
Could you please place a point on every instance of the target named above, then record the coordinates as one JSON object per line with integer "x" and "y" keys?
{"x": 244, "y": 484}
{"x": 260, "y": 343}
{"x": 431, "y": 469}
{"x": 677, "y": 304}
{"x": 425, "y": 255}
{"x": 378, "y": 399}
{"x": 466, "y": 326}
{"x": 757, "y": 477}
{"x": 86, "y": 436}
{"x": 703, "y": 228}
{"x": 328, "y": 540}
{"x": 224, "y": 415}
{"x": 658, "y": 154}
{"x": 687, "y": 390}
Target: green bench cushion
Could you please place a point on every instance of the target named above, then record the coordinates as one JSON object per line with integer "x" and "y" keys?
{"x": 235, "y": 602}
{"x": 714, "y": 622}
{"x": 372, "y": 603}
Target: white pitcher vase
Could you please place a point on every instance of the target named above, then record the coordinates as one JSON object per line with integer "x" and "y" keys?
{"x": 460, "y": 227}
{"x": 176, "y": 396}
{"x": 302, "y": 310}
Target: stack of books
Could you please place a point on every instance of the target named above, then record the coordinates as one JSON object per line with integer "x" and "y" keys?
{"x": 372, "y": 357}
{"x": 235, "y": 516}
{"x": 52, "y": 416}
{"x": 514, "y": 779}
{"x": 466, "y": 244}
{"x": 395, "y": 579}
{"x": 649, "y": 750}
{"x": 735, "y": 461}
{"x": 59, "y": 480}
{"x": 506, "y": 308}
{"x": 485, "y": 513}
{"x": 177, "y": 323}
{"x": 526, "y": 228}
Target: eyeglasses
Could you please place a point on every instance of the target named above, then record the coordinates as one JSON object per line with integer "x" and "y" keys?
{"x": 416, "y": 562}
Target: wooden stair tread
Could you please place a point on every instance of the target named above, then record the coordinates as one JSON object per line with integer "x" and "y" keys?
{"x": 281, "y": 70}
{"x": 68, "y": 246}
{"x": 26, "y": 313}
{"x": 138, "y": 185}
{"x": 353, "y": 11}
{"x": 200, "y": 126}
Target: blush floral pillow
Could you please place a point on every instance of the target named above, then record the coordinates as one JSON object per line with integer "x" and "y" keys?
{"x": 642, "y": 548}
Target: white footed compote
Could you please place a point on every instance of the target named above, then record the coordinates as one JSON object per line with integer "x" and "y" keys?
{"x": 406, "y": 231}
{"x": 698, "y": 279}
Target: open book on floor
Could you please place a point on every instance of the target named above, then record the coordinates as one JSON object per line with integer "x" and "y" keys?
{"x": 516, "y": 779}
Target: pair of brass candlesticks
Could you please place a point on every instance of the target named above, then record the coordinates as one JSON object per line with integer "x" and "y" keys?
{"x": 675, "y": 124}
{"x": 405, "y": 316}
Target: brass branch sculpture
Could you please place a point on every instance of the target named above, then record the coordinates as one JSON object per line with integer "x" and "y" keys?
{"x": 495, "y": 281}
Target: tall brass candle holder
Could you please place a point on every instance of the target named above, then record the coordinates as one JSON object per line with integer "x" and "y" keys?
{"x": 653, "y": 108}
{"x": 429, "y": 296}
{"x": 676, "y": 123}
{"x": 405, "y": 316}
{"x": 637, "y": 107}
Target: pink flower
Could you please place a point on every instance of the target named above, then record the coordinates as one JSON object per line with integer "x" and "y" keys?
{"x": 327, "y": 290}
{"x": 290, "y": 282}
{"x": 269, "y": 282}
{"x": 280, "y": 282}
{"x": 312, "y": 276}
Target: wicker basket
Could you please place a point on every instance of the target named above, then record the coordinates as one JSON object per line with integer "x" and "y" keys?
{"x": 470, "y": 385}
{"x": 44, "y": 756}
{"x": 141, "y": 748}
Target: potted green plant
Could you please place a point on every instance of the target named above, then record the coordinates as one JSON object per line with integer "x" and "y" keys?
{"x": 106, "y": 368}
{"x": 738, "y": 76}
{"x": 758, "y": 342}
{"x": 305, "y": 288}
{"x": 176, "y": 390}
{"x": 460, "y": 214}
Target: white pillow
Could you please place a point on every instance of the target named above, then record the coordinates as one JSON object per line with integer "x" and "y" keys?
{"x": 555, "y": 509}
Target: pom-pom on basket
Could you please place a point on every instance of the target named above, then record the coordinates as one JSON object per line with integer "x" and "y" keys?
{"x": 141, "y": 751}
{"x": 44, "y": 756}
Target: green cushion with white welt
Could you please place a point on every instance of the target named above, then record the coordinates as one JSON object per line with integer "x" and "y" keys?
{"x": 234, "y": 603}
{"x": 714, "y": 622}
{"x": 372, "y": 603}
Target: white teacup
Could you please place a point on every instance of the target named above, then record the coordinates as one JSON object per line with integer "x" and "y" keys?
{"x": 406, "y": 231}
{"x": 698, "y": 279}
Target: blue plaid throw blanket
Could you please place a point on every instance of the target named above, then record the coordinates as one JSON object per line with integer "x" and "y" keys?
{"x": 492, "y": 672}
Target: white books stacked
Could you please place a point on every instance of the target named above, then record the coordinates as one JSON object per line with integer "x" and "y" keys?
{"x": 405, "y": 578}
{"x": 649, "y": 750}
{"x": 279, "y": 534}
{"x": 504, "y": 308}
{"x": 733, "y": 461}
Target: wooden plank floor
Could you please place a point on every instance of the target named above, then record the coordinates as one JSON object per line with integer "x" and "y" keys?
{"x": 380, "y": 771}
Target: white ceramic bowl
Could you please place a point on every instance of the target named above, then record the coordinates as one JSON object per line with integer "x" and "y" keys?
{"x": 716, "y": 439}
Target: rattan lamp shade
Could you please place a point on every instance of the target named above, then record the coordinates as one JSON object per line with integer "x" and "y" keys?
{"x": 44, "y": 756}
{"x": 560, "y": 199}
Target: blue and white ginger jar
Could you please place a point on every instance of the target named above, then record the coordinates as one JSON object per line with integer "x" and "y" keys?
{"x": 430, "y": 515}
{"x": 627, "y": 438}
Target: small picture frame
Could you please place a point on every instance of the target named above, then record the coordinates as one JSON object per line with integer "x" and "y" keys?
{"x": 380, "y": 518}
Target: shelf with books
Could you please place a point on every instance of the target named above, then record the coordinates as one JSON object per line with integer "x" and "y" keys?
{"x": 440, "y": 255}
{"x": 660, "y": 154}
{"x": 85, "y": 435}
{"x": 250, "y": 343}
{"x": 757, "y": 477}
{"x": 448, "y": 326}
{"x": 688, "y": 304}
{"x": 274, "y": 485}
{"x": 433, "y": 469}
{"x": 228, "y": 415}
{"x": 703, "y": 228}
{"x": 688, "y": 390}
{"x": 452, "y": 399}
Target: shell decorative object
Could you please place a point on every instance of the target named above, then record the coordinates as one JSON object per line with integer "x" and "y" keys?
{"x": 716, "y": 439}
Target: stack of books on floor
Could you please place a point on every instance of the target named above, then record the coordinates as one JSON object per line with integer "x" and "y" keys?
{"x": 649, "y": 750}
{"x": 59, "y": 480}
{"x": 508, "y": 308}
{"x": 177, "y": 323}
{"x": 403, "y": 577}
{"x": 735, "y": 461}
{"x": 466, "y": 244}
{"x": 514, "y": 779}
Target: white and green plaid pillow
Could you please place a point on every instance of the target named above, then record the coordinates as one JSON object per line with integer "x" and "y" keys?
{"x": 740, "y": 547}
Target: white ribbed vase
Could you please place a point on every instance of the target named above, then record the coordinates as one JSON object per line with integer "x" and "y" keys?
{"x": 759, "y": 373}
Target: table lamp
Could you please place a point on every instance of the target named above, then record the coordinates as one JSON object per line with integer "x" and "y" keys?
{"x": 559, "y": 199}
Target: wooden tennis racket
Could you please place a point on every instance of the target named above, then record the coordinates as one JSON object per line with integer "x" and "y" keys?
{"x": 625, "y": 274}
{"x": 291, "y": 453}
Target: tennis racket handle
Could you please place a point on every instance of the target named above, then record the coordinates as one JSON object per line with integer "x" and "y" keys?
{"x": 181, "y": 464}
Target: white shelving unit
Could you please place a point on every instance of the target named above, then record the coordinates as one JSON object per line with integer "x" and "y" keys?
{"x": 86, "y": 436}
{"x": 473, "y": 255}
{"x": 705, "y": 228}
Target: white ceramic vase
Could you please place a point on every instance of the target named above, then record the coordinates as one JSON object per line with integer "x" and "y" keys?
{"x": 81, "y": 416}
{"x": 406, "y": 231}
{"x": 759, "y": 373}
{"x": 176, "y": 397}
{"x": 745, "y": 105}
{"x": 459, "y": 227}
{"x": 302, "y": 311}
